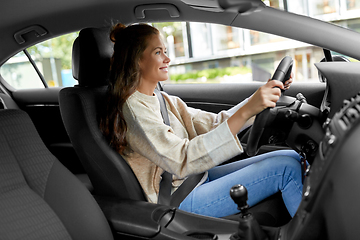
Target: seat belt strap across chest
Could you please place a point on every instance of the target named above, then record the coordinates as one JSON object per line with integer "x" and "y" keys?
{"x": 187, "y": 186}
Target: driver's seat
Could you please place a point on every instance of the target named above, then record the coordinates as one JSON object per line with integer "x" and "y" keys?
{"x": 80, "y": 108}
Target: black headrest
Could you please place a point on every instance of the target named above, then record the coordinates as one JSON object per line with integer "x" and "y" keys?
{"x": 92, "y": 51}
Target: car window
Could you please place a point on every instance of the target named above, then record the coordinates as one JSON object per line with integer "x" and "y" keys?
{"x": 52, "y": 59}
{"x": 212, "y": 53}
{"x": 199, "y": 53}
{"x": 19, "y": 73}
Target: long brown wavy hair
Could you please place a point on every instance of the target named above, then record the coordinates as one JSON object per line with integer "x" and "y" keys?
{"x": 129, "y": 44}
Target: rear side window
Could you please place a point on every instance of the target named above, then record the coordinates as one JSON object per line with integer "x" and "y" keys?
{"x": 20, "y": 74}
{"x": 47, "y": 64}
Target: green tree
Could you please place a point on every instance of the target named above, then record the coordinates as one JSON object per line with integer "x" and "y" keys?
{"x": 59, "y": 47}
{"x": 168, "y": 28}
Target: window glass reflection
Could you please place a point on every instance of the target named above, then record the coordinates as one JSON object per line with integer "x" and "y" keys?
{"x": 297, "y": 6}
{"x": 20, "y": 74}
{"x": 257, "y": 38}
{"x": 353, "y": 24}
{"x": 225, "y": 37}
{"x": 174, "y": 35}
{"x": 320, "y": 7}
{"x": 352, "y": 4}
{"x": 200, "y": 37}
{"x": 272, "y": 3}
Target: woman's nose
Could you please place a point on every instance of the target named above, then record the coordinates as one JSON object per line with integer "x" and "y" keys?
{"x": 167, "y": 59}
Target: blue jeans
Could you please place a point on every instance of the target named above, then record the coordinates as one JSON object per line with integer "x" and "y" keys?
{"x": 262, "y": 175}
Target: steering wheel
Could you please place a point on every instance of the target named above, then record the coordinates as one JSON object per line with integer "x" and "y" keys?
{"x": 267, "y": 116}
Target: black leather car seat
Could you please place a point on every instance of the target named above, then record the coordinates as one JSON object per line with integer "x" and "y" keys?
{"x": 80, "y": 107}
{"x": 39, "y": 197}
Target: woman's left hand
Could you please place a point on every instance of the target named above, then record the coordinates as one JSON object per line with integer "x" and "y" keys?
{"x": 287, "y": 82}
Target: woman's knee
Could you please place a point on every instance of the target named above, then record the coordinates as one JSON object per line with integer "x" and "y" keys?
{"x": 287, "y": 153}
{"x": 289, "y": 165}
{"x": 292, "y": 171}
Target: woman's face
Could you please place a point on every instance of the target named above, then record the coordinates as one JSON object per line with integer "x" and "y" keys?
{"x": 154, "y": 62}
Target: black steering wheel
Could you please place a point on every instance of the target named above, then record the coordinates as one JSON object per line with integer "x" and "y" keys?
{"x": 267, "y": 116}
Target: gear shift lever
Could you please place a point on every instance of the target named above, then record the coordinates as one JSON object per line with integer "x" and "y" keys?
{"x": 249, "y": 228}
{"x": 239, "y": 195}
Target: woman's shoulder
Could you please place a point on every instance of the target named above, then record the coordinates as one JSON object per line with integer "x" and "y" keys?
{"x": 173, "y": 100}
{"x": 139, "y": 104}
{"x": 138, "y": 99}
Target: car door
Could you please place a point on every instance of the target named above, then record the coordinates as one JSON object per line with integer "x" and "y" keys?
{"x": 33, "y": 79}
{"x": 42, "y": 105}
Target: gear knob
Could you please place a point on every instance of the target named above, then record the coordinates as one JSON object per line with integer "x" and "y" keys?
{"x": 248, "y": 227}
{"x": 239, "y": 195}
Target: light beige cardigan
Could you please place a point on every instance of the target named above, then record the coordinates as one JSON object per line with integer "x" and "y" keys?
{"x": 195, "y": 142}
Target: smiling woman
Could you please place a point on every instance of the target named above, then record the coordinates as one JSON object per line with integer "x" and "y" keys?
{"x": 194, "y": 141}
{"x": 125, "y": 74}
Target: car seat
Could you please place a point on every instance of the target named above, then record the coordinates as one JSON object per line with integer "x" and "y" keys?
{"x": 80, "y": 108}
{"x": 6, "y": 102}
{"x": 39, "y": 197}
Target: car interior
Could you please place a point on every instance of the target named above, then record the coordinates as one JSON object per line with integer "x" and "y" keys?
{"x": 61, "y": 180}
{"x": 107, "y": 170}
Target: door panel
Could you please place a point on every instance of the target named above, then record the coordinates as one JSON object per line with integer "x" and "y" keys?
{"x": 217, "y": 97}
{"x": 42, "y": 105}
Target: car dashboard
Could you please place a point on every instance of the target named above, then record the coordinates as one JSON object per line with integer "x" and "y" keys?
{"x": 329, "y": 207}
{"x": 342, "y": 82}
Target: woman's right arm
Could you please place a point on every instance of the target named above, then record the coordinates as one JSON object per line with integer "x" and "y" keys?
{"x": 150, "y": 138}
{"x": 266, "y": 96}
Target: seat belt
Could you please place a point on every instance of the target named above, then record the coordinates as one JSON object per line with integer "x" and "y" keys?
{"x": 165, "y": 196}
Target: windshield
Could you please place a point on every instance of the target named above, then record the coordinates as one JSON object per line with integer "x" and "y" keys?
{"x": 343, "y": 13}
{"x": 334, "y": 11}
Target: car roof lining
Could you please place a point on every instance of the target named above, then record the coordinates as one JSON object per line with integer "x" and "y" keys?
{"x": 100, "y": 13}
{"x": 90, "y": 16}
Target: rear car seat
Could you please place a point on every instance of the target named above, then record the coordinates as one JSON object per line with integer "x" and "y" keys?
{"x": 39, "y": 197}
{"x": 6, "y": 102}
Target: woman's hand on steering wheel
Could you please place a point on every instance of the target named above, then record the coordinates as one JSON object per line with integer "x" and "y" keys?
{"x": 266, "y": 96}
{"x": 287, "y": 82}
